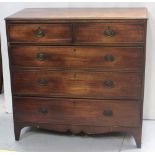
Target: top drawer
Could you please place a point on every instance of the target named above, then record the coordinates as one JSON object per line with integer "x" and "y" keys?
{"x": 40, "y": 33}
{"x": 109, "y": 33}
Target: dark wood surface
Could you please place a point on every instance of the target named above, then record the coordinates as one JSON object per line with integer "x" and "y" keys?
{"x": 78, "y": 74}
{"x": 52, "y": 33}
{"x": 83, "y": 33}
{"x": 77, "y": 84}
{"x": 77, "y": 57}
{"x": 78, "y": 111}
{"x": 95, "y": 33}
{"x": 79, "y": 13}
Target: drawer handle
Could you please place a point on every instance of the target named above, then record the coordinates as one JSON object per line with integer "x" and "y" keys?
{"x": 109, "y": 58}
{"x": 40, "y": 56}
{"x": 109, "y": 32}
{"x": 39, "y": 33}
{"x": 43, "y": 110}
{"x": 108, "y": 83}
{"x": 42, "y": 82}
{"x": 108, "y": 113}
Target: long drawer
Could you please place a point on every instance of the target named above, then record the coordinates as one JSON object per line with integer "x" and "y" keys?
{"x": 76, "y": 84}
{"x": 109, "y": 33}
{"x": 127, "y": 58}
{"x": 40, "y": 33}
{"x": 77, "y": 111}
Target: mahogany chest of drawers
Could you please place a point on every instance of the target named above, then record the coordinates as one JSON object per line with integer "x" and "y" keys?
{"x": 78, "y": 70}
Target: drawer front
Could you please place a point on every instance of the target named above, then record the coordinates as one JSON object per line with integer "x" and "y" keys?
{"x": 77, "y": 57}
{"x": 109, "y": 33}
{"x": 77, "y": 111}
{"x": 40, "y": 33}
{"x": 77, "y": 84}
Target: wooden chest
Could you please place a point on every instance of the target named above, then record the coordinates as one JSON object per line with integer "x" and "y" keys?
{"x": 78, "y": 70}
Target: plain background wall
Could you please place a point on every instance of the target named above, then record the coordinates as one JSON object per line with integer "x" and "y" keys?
{"x": 7, "y": 9}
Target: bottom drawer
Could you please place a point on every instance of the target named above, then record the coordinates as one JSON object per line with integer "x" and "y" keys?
{"x": 77, "y": 111}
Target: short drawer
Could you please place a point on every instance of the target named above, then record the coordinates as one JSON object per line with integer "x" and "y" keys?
{"x": 109, "y": 33}
{"x": 127, "y": 58}
{"x": 40, "y": 33}
{"x": 77, "y": 84}
{"x": 77, "y": 111}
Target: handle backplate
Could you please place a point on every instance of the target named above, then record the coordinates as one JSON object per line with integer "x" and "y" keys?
{"x": 40, "y": 56}
{"x": 39, "y": 33}
{"x": 109, "y": 57}
{"x": 109, "y": 32}
{"x": 43, "y": 110}
{"x": 108, "y": 83}
{"x": 42, "y": 82}
{"x": 108, "y": 113}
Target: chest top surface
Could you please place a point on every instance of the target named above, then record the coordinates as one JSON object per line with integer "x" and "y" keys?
{"x": 79, "y": 13}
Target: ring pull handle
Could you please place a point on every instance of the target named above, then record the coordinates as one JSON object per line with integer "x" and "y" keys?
{"x": 40, "y": 56}
{"x": 39, "y": 33}
{"x": 108, "y": 113}
{"x": 109, "y": 32}
{"x": 109, "y": 57}
{"x": 108, "y": 83}
{"x": 42, "y": 82}
{"x": 43, "y": 110}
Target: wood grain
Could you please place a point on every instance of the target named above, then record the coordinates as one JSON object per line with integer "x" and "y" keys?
{"x": 53, "y": 33}
{"x": 77, "y": 84}
{"x": 123, "y": 33}
{"x": 80, "y": 13}
{"x": 78, "y": 70}
{"x": 78, "y": 112}
{"x": 76, "y": 57}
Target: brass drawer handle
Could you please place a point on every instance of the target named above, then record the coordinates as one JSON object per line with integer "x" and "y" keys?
{"x": 40, "y": 56}
{"x": 108, "y": 113}
{"x": 109, "y": 83}
{"x": 43, "y": 110}
{"x": 109, "y": 58}
{"x": 109, "y": 32}
{"x": 42, "y": 82}
{"x": 39, "y": 33}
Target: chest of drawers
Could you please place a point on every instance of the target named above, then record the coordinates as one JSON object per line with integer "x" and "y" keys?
{"x": 78, "y": 70}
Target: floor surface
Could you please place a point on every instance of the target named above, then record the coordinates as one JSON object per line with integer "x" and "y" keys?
{"x": 33, "y": 140}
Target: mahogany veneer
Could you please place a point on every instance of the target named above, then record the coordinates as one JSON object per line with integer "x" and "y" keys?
{"x": 78, "y": 70}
